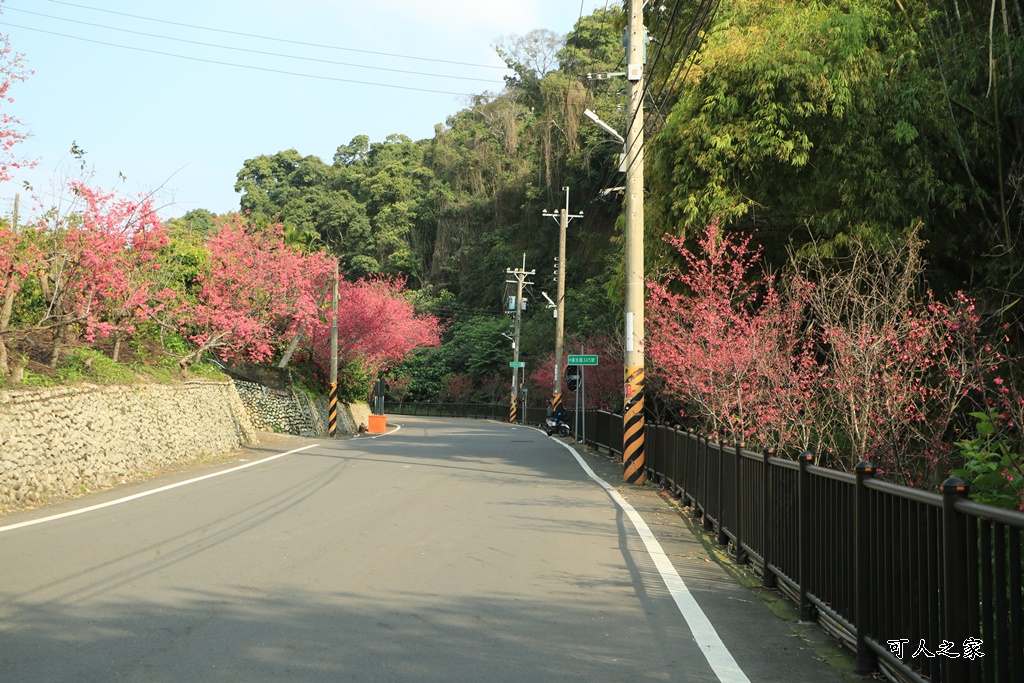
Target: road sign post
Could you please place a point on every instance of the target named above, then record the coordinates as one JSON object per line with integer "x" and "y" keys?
{"x": 580, "y": 360}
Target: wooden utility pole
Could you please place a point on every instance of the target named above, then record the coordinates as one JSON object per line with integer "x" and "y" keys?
{"x": 633, "y": 408}
{"x": 332, "y": 410}
{"x": 563, "y": 216}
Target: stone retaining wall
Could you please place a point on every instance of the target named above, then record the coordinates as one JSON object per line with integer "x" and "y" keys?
{"x": 293, "y": 412}
{"x": 69, "y": 439}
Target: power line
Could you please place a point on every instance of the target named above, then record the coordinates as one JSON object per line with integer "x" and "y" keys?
{"x": 703, "y": 17}
{"x": 240, "y": 66}
{"x": 250, "y": 51}
{"x": 702, "y": 21}
{"x": 279, "y": 40}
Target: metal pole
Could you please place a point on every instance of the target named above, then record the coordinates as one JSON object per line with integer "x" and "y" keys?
{"x": 332, "y": 409}
{"x": 576, "y": 412}
{"x": 583, "y": 392}
{"x": 633, "y": 408}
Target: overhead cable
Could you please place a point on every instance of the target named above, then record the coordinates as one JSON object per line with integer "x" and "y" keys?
{"x": 279, "y": 40}
{"x": 240, "y": 66}
{"x": 248, "y": 50}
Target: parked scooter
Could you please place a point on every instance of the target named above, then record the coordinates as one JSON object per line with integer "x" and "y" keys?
{"x": 554, "y": 425}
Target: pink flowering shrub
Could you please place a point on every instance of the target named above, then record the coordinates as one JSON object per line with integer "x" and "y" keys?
{"x": 726, "y": 344}
{"x": 844, "y": 356}
{"x": 255, "y": 295}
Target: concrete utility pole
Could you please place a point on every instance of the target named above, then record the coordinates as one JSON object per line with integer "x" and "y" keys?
{"x": 563, "y": 217}
{"x": 332, "y": 415}
{"x": 520, "y": 275}
{"x": 332, "y": 408}
{"x": 633, "y": 412}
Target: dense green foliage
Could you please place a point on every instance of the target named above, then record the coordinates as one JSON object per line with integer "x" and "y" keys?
{"x": 815, "y": 121}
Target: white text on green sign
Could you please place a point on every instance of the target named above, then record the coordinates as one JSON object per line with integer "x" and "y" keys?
{"x": 516, "y": 364}
{"x": 583, "y": 360}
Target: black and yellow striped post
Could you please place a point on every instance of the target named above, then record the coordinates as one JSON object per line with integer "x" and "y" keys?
{"x": 512, "y": 412}
{"x": 633, "y": 427}
{"x": 332, "y": 411}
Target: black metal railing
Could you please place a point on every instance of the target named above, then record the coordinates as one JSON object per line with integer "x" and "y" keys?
{"x": 924, "y": 586}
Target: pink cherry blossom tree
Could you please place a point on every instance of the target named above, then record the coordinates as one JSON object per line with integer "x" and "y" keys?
{"x": 98, "y": 258}
{"x": 255, "y": 294}
{"x": 19, "y": 258}
{"x": 377, "y": 325}
{"x": 119, "y": 240}
{"x": 726, "y": 344}
{"x": 12, "y": 71}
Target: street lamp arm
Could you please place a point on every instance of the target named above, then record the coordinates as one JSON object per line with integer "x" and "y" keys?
{"x": 604, "y": 126}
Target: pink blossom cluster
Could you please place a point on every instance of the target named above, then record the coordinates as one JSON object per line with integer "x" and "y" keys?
{"x": 783, "y": 362}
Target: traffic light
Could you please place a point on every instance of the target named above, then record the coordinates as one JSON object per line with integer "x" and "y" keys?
{"x": 572, "y": 377}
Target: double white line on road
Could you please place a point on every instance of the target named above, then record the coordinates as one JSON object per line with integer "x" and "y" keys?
{"x": 708, "y": 640}
{"x": 143, "y": 494}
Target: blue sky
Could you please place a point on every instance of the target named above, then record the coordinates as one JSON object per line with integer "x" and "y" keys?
{"x": 183, "y": 127}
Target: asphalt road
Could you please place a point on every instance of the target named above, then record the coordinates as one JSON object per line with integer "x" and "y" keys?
{"x": 451, "y": 550}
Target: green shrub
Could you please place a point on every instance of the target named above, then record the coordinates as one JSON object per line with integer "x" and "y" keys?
{"x": 992, "y": 466}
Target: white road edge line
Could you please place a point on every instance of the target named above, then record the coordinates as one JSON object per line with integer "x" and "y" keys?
{"x": 711, "y": 645}
{"x": 143, "y": 494}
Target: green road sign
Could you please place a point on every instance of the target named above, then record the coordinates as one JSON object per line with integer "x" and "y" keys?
{"x": 583, "y": 360}
{"x": 516, "y": 364}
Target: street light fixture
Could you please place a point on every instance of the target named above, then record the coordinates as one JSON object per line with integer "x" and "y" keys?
{"x": 608, "y": 129}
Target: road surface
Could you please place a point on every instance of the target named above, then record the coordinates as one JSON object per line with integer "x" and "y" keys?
{"x": 448, "y": 550}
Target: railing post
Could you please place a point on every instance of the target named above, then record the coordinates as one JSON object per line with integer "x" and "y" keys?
{"x": 723, "y": 538}
{"x": 719, "y": 497}
{"x": 690, "y": 466}
{"x": 804, "y": 525}
{"x": 741, "y": 556}
{"x": 767, "y": 520}
{"x": 862, "y": 568}
{"x": 704, "y": 476}
{"x": 955, "y": 557}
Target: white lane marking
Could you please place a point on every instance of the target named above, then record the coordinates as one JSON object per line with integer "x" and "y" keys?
{"x": 711, "y": 645}
{"x": 143, "y": 494}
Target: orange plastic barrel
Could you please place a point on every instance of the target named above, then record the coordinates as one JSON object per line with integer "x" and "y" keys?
{"x": 378, "y": 424}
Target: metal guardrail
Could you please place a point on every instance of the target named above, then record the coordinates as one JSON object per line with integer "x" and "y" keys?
{"x": 923, "y": 586}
